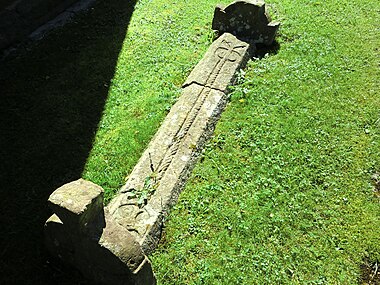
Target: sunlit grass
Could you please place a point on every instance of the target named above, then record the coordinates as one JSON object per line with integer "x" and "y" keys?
{"x": 164, "y": 41}
{"x": 283, "y": 192}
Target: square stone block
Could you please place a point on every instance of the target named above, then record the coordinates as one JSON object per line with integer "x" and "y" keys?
{"x": 79, "y": 205}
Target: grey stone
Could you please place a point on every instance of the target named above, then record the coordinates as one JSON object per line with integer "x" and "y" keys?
{"x": 111, "y": 245}
{"x": 83, "y": 235}
{"x": 246, "y": 19}
{"x": 79, "y": 205}
{"x": 218, "y": 67}
{"x": 172, "y": 153}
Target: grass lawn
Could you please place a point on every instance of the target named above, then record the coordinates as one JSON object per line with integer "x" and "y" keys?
{"x": 164, "y": 42}
{"x": 283, "y": 193}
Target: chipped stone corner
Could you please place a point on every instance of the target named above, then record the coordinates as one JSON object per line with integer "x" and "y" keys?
{"x": 246, "y": 19}
{"x": 83, "y": 234}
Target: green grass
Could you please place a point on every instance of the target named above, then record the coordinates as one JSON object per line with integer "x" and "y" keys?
{"x": 163, "y": 43}
{"x": 283, "y": 192}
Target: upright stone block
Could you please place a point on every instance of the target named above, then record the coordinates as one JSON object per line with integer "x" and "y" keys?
{"x": 246, "y": 19}
{"x": 79, "y": 205}
{"x": 82, "y": 234}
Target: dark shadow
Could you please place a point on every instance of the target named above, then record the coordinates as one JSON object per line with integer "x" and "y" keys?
{"x": 370, "y": 273}
{"x": 51, "y": 101}
{"x": 264, "y": 50}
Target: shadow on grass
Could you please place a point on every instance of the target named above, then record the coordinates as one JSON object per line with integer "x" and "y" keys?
{"x": 51, "y": 100}
{"x": 263, "y": 50}
{"x": 370, "y": 273}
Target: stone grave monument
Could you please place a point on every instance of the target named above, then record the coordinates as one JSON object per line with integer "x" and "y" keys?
{"x": 110, "y": 244}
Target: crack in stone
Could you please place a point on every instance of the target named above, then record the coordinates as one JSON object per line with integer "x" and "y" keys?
{"x": 225, "y": 52}
{"x": 203, "y": 85}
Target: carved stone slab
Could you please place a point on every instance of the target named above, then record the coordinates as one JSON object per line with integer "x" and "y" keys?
{"x": 159, "y": 176}
{"x": 246, "y": 19}
{"x": 218, "y": 67}
{"x": 110, "y": 245}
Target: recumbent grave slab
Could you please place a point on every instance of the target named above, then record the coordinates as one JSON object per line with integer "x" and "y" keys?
{"x": 110, "y": 244}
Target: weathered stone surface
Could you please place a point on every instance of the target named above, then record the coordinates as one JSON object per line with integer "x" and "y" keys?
{"x": 133, "y": 220}
{"x": 246, "y": 19}
{"x": 79, "y": 204}
{"x": 107, "y": 253}
{"x": 218, "y": 67}
{"x": 159, "y": 176}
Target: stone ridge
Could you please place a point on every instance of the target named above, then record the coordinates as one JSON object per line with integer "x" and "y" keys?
{"x": 159, "y": 176}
